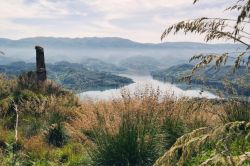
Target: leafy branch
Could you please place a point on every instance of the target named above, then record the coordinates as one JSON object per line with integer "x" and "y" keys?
{"x": 227, "y": 29}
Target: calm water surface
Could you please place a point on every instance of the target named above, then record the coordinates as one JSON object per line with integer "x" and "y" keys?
{"x": 142, "y": 82}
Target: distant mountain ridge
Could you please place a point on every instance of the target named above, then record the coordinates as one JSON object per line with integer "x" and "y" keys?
{"x": 109, "y": 49}
{"x": 103, "y": 41}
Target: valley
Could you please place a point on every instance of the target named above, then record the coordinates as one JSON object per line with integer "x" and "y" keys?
{"x": 94, "y": 64}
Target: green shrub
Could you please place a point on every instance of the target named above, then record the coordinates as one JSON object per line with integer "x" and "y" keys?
{"x": 57, "y": 135}
{"x": 13, "y": 155}
{"x": 72, "y": 154}
{"x": 135, "y": 143}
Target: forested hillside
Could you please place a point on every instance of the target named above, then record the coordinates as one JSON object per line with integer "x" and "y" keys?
{"x": 73, "y": 76}
{"x": 221, "y": 79}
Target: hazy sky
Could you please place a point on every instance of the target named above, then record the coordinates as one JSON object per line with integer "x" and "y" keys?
{"x": 139, "y": 20}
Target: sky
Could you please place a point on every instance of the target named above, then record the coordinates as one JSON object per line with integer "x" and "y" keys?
{"x": 138, "y": 20}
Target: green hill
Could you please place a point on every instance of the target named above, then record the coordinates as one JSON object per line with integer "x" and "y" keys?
{"x": 72, "y": 76}
{"x": 222, "y": 79}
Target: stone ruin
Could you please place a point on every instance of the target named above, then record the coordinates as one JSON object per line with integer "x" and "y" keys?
{"x": 41, "y": 74}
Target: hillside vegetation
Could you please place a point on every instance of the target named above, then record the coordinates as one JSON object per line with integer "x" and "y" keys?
{"x": 41, "y": 124}
{"x": 221, "y": 80}
{"x": 74, "y": 76}
{"x": 225, "y": 145}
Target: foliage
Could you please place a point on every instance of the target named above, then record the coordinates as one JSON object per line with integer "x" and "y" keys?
{"x": 73, "y": 76}
{"x": 7, "y": 85}
{"x": 27, "y": 80}
{"x": 223, "y": 145}
{"x": 135, "y": 143}
{"x": 233, "y": 145}
{"x": 172, "y": 129}
{"x": 39, "y": 106}
{"x": 229, "y": 29}
{"x": 218, "y": 80}
{"x": 143, "y": 116}
{"x": 12, "y": 156}
{"x": 57, "y": 135}
{"x": 206, "y": 153}
{"x": 236, "y": 111}
{"x": 136, "y": 128}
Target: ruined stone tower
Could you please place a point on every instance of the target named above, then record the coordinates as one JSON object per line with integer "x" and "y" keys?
{"x": 40, "y": 65}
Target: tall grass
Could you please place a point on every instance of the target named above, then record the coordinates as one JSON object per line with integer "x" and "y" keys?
{"x": 132, "y": 130}
{"x": 172, "y": 129}
{"x": 41, "y": 108}
{"x": 137, "y": 128}
{"x": 236, "y": 110}
{"x": 135, "y": 143}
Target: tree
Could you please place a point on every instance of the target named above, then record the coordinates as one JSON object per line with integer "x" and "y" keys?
{"x": 229, "y": 29}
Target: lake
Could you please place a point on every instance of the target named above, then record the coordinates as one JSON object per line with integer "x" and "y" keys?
{"x": 142, "y": 82}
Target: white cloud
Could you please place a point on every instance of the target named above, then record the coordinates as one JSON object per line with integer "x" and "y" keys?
{"x": 140, "y": 20}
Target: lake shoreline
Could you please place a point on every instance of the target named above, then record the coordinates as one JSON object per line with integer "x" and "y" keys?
{"x": 140, "y": 83}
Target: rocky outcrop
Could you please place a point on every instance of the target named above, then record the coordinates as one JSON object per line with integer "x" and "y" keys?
{"x": 193, "y": 148}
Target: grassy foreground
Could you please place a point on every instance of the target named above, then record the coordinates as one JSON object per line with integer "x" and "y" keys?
{"x": 45, "y": 125}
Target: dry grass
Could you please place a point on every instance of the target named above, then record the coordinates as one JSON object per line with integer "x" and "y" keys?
{"x": 194, "y": 113}
{"x": 39, "y": 110}
{"x": 105, "y": 123}
{"x": 6, "y": 86}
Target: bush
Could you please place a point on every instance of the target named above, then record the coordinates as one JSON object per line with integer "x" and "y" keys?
{"x": 135, "y": 143}
{"x": 57, "y": 135}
